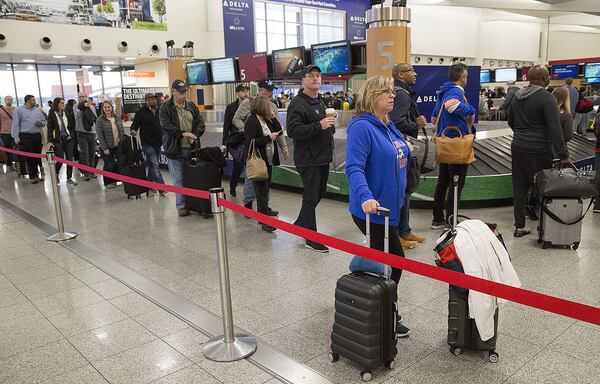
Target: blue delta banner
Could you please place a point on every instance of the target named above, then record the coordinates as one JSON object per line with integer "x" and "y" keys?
{"x": 429, "y": 80}
{"x": 238, "y": 20}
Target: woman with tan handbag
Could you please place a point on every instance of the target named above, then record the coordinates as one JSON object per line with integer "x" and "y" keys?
{"x": 453, "y": 116}
{"x": 261, "y": 131}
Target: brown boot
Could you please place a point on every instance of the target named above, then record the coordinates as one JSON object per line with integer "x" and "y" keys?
{"x": 407, "y": 244}
{"x": 182, "y": 212}
{"x": 412, "y": 237}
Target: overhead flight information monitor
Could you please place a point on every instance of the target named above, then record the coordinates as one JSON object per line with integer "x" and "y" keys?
{"x": 197, "y": 73}
{"x": 288, "y": 62}
{"x": 484, "y": 76}
{"x": 253, "y": 66}
{"x": 504, "y": 75}
{"x": 562, "y": 71}
{"x": 223, "y": 70}
{"x": 332, "y": 58}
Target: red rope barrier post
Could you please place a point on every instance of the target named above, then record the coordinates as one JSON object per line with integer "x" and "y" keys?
{"x": 229, "y": 346}
{"x": 61, "y": 235}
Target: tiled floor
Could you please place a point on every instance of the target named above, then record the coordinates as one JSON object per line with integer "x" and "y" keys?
{"x": 64, "y": 321}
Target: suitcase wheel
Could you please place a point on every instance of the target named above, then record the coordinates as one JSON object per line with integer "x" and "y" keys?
{"x": 575, "y": 246}
{"x": 493, "y": 356}
{"x": 333, "y": 357}
{"x": 546, "y": 244}
{"x": 366, "y": 375}
{"x": 455, "y": 351}
{"x": 390, "y": 365}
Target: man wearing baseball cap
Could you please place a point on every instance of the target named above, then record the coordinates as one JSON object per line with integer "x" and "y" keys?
{"x": 265, "y": 88}
{"x": 182, "y": 127}
{"x": 147, "y": 122}
{"x": 312, "y": 132}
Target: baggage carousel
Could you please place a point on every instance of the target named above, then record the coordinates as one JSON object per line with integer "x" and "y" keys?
{"x": 489, "y": 179}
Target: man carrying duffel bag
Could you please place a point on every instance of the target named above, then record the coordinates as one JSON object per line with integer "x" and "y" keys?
{"x": 533, "y": 116}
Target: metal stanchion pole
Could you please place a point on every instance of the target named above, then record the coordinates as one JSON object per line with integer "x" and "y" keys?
{"x": 229, "y": 346}
{"x": 61, "y": 235}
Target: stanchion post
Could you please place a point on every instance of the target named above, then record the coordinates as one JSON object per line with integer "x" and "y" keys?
{"x": 61, "y": 235}
{"x": 230, "y": 346}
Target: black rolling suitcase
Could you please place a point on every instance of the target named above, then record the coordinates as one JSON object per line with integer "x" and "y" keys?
{"x": 200, "y": 173}
{"x": 134, "y": 167}
{"x": 364, "y": 328}
{"x": 462, "y": 330}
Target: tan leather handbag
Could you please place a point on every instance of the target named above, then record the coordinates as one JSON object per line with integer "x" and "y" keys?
{"x": 454, "y": 150}
{"x": 256, "y": 168}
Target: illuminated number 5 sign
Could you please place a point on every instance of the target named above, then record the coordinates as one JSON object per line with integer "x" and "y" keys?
{"x": 389, "y": 56}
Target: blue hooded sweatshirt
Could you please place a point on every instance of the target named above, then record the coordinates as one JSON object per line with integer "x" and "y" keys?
{"x": 376, "y": 165}
{"x": 455, "y": 112}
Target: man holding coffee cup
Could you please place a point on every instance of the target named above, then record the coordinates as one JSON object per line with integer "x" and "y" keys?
{"x": 311, "y": 126}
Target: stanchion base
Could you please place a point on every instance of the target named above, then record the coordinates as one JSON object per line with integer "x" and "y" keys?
{"x": 62, "y": 236}
{"x": 218, "y": 350}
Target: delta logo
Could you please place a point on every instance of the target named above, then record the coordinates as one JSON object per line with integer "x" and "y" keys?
{"x": 236, "y": 4}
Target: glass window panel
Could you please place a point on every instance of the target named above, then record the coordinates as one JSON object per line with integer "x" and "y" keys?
{"x": 325, "y": 17}
{"x": 69, "y": 81}
{"x": 309, "y": 16}
{"x": 275, "y": 27}
{"x": 326, "y": 34}
{"x": 259, "y": 10}
{"x": 275, "y": 12}
{"x": 339, "y": 19}
{"x": 261, "y": 42}
{"x": 310, "y": 34}
{"x": 292, "y": 29}
{"x": 7, "y": 83}
{"x": 26, "y": 82}
{"x": 292, "y": 41}
{"x": 50, "y": 85}
{"x": 112, "y": 83}
{"x": 95, "y": 86}
{"x": 292, "y": 14}
{"x": 261, "y": 26}
{"x": 275, "y": 41}
{"x": 339, "y": 34}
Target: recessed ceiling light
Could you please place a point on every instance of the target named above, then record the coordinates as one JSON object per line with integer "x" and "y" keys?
{"x": 108, "y": 62}
{"x": 130, "y": 58}
{"x": 28, "y": 61}
{"x": 59, "y": 56}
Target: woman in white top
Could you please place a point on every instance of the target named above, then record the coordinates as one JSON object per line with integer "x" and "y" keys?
{"x": 109, "y": 131}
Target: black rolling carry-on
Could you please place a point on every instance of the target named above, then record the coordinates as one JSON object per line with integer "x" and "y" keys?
{"x": 462, "y": 330}
{"x": 134, "y": 167}
{"x": 204, "y": 175}
{"x": 364, "y": 328}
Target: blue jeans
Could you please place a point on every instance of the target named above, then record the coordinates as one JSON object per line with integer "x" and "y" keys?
{"x": 151, "y": 153}
{"x": 404, "y": 228}
{"x": 176, "y": 171}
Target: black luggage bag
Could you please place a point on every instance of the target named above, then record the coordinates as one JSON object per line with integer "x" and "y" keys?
{"x": 134, "y": 166}
{"x": 364, "y": 328}
{"x": 462, "y": 330}
{"x": 203, "y": 172}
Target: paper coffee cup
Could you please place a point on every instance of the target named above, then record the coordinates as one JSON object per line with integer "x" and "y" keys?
{"x": 330, "y": 112}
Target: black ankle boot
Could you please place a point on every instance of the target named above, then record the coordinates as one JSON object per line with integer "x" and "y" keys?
{"x": 249, "y": 206}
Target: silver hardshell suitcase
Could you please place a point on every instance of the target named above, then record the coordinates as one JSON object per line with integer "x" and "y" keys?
{"x": 560, "y": 222}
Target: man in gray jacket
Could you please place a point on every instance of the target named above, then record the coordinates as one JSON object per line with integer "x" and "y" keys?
{"x": 86, "y": 134}
{"x": 265, "y": 88}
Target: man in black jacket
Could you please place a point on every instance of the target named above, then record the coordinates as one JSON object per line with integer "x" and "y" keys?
{"x": 147, "y": 122}
{"x": 229, "y": 130}
{"x": 408, "y": 121}
{"x": 533, "y": 116}
{"x": 182, "y": 126}
{"x": 312, "y": 132}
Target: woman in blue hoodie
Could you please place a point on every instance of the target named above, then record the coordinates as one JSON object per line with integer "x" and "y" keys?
{"x": 376, "y": 165}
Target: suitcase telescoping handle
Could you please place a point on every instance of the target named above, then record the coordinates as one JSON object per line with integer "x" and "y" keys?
{"x": 386, "y": 235}
{"x": 455, "y": 202}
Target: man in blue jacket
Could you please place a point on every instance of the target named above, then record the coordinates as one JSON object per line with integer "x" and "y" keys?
{"x": 451, "y": 109}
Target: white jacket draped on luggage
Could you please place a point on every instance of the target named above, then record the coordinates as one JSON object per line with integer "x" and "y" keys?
{"x": 483, "y": 255}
